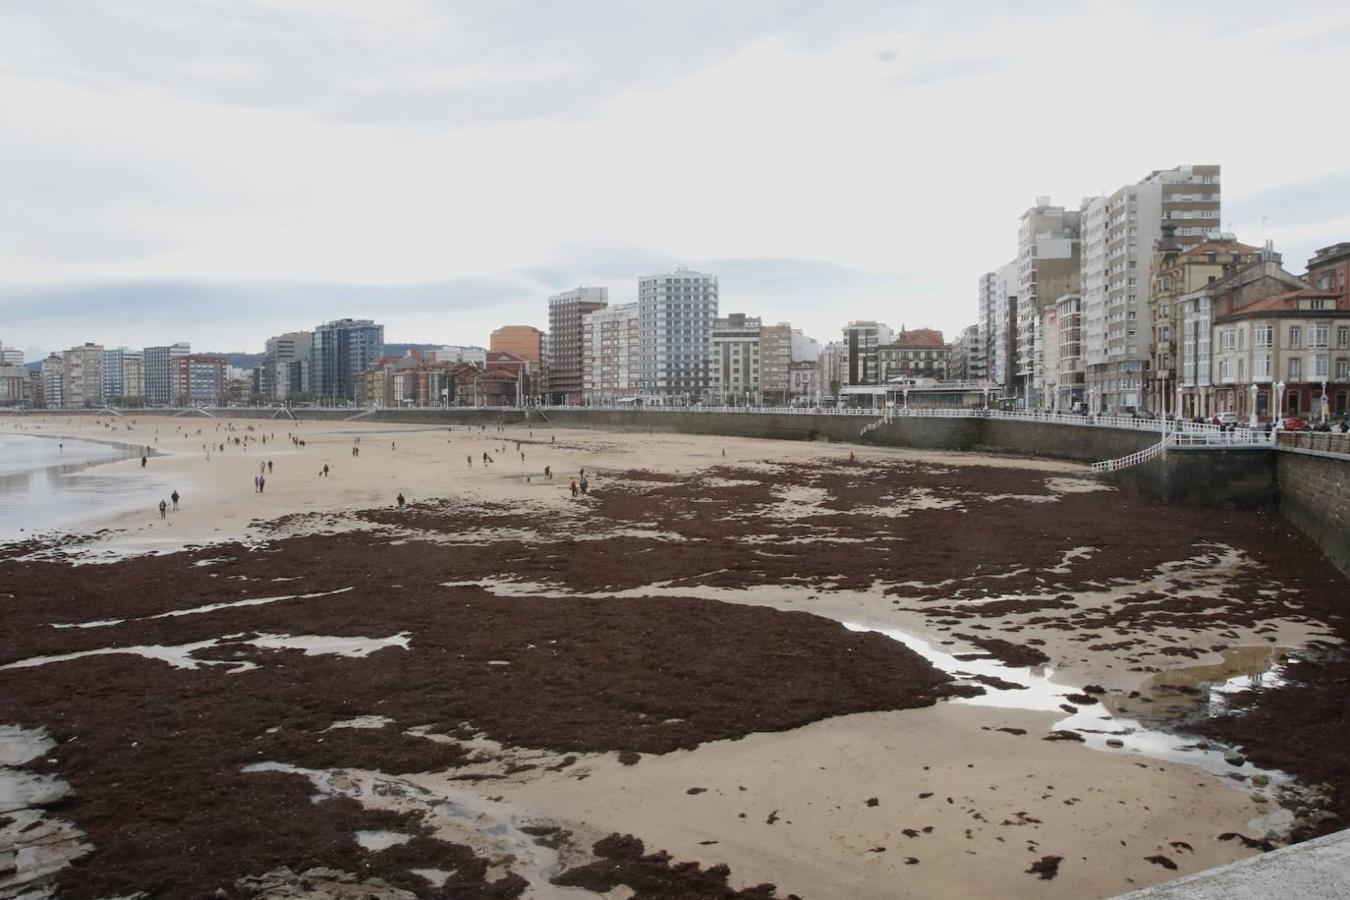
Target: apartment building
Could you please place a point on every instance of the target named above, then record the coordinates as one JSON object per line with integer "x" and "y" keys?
{"x": 159, "y": 371}
{"x": 1120, "y": 231}
{"x": 967, "y": 356}
{"x": 53, "y": 381}
{"x": 775, "y": 361}
{"x": 118, "y": 364}
{"x": 566, "y": 312}
{"x": 921, "y": 353}
{"x": 1070, "y": 378}
{"x": 804, "y": 381}
{"x": 861, "y": 340}
{"x": 15, "y": 386}
{"x": 832, "y": 367}
{"x": 676, "y": 313}
{"x": 1048, "y": 266}
{"x": 804, "y": 349}
{"x": 341, "y": 350}
{"x": 1178, "y": 270}
{"x": 82, "y": 376}
{"x": 611, "y": 341}
{"x": 10, "y": 356}
{"x": 285, "y": 370}
{"x": 1207, "y": 387}
{"x": 736, "y": 360}
{"x": 199, "y": 380}
{"x": 527, "y": 342}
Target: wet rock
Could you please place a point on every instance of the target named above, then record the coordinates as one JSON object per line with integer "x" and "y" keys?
{"x": 1260, "y": 780}
{"x": 1234, "y": 758}
{"x": 1115, "y": 742}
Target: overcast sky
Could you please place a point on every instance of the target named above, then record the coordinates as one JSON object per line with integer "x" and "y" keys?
{"x": 221, "y": 171}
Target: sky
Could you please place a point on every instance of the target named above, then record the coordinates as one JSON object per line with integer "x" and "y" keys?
{"x": 219, "y": 171}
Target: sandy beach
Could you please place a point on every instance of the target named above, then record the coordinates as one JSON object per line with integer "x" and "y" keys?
{"x": 905, "y": 674}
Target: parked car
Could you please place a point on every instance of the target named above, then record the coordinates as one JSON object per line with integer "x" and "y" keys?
{"x": 1224, "y": 418}
{"x": 1293, "y": 423}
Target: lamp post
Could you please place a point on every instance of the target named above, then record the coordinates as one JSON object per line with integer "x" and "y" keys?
{"x": 1179, "y": 404}
{"x": 1251, "y": 418}
{"x": 1324, "y": 401}
{"x": 1278, "y": 413}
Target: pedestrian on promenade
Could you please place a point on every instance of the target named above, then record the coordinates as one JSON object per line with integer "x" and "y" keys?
{"x": 163, "y": 509}
{"x": 174, "y": 498}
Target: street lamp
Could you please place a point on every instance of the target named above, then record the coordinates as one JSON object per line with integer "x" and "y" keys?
{"x": 1177, "y": 411}
{"x": 1278, "y": 413}
{"x": 1324, "y": 401}
{"x": 1251, "y": 419}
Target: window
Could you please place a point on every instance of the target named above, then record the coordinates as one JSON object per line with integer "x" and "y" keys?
{"x": 1295, "y": 369}
{"x": 1342, "y": 369}
{"x": 1343, "y": 337}
{"x": 1263, "y": 336}
{"x": 1295, "y": 337}
{"x": 1319, "y": 335}
{"x": 1228, "y": 339}
{"x": 1321, "y": 366}
{"x": 1261, "y": 366}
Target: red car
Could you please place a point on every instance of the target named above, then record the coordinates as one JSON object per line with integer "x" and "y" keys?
{"x": 1293, "y": 423}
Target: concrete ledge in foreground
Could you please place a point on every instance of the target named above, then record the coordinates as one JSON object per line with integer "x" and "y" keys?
{"x": 1313, "y": 870}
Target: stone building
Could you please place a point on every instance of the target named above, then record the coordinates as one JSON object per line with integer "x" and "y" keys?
{"x": 921, "y": 353}
{"x": 611, "y": 342}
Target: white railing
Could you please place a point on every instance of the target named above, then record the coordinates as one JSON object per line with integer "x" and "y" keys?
{"x": 1139, "y": 456}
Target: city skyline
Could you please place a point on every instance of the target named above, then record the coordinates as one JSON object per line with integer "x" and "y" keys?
{"x": 444, "y": 171}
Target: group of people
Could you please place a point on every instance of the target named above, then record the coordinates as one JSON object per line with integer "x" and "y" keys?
{"x": 164, "y": 507}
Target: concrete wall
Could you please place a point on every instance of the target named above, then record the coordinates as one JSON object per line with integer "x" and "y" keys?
{"x": 1315, "y": 497}
{"x": 1231, "y": 477}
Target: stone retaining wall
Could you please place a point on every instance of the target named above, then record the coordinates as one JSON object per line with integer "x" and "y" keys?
{"x": 1315, "y": 496}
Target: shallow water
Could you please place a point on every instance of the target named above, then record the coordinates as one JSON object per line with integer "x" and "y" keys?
{"x": 48, "y": 483}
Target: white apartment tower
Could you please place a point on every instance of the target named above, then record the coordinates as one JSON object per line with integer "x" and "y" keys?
{"x": 610, "y": 344}
{"x": 1119, "y": 232}
{"x": 676, "y": 312}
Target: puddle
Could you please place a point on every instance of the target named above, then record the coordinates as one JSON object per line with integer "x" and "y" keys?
{"x": 362, "y": 722}
{"x": 33, "y": 844}
{"x": 181, "y": 655}
{"x": 375, "y": 841}
{"x": 210, "y": 607}
{"x": 1096, "y": 722}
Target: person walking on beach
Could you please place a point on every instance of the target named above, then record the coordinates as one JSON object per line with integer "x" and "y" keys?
{"x": 163, "y": 509}
{"x": 255, "y": 483}
{"x": 174, "y": 498}
{"x": 548, "y": 473}
{"x": 470, "y": 459}
{"x": 325, "y": 470}
{"x": 401, "y": 500}
{"x": 574, "y": 487}
{"x": 262, "y": 484}
{"x": 142, "y": 461}
{"x": 269, "y": 467}
{"x": 585, "y": 485}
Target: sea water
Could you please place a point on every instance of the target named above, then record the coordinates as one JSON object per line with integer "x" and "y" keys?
{"x": 50, "y": 483}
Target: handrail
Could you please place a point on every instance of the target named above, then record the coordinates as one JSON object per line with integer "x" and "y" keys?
{"x": 1134, "y": 459}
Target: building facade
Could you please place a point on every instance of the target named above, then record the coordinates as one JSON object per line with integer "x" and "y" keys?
{"x": 676, "y": 312}
{"x": 341, "y": 350}
{"x": 775, "y": 362}
{"x": 285, "y": 369}
{"x": 611, "y": 340}
{"x": 159, "y": 372}
{"x": 1121, "y": 232}
{"x": 737, "y": 350}
{"x": 1049, "y": 266}
{"x": 199, "y": 380}
{"x": 567, "y": 351}
{"x": 861, "y": 340}
{"x": 804, "y": 382}
{"x": 53, "y": 381}
{"x": 123, "y": 376}
{"x": 15, "y": 386}
{"x": 920, "y": 353}
{"x": 82, "y": 376}
{"x": 1069, "y": 375}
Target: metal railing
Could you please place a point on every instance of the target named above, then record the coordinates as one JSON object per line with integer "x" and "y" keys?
{"x": 1139, "y": 456}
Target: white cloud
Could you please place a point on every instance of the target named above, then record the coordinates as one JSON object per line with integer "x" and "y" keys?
{"x": 501, "y": 143}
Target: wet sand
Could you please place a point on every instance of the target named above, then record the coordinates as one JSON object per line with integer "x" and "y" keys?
{"x": 946, "y": 672}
